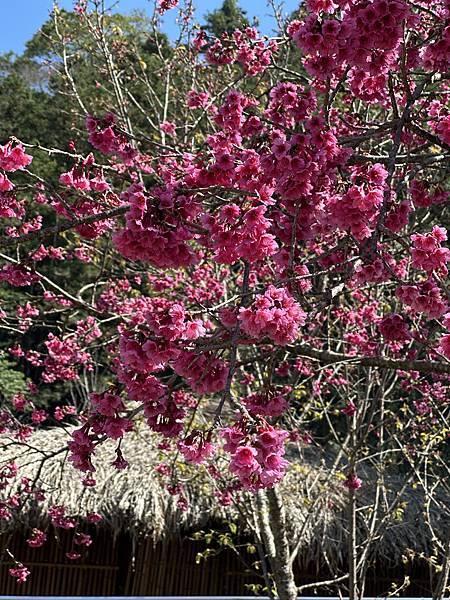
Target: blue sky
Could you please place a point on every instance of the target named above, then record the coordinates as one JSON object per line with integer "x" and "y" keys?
{"x": 21, "y": 18}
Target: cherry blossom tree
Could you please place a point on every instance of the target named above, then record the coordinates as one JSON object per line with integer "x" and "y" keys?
{"x": 264, "y": 267}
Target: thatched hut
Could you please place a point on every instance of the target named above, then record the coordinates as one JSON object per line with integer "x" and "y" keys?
{"x": 145, "y": 544}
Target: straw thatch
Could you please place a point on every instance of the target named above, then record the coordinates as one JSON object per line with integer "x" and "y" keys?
{"x": 134, "y": 499}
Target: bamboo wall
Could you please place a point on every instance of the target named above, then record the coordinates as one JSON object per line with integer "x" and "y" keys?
{"x": 116, "y": 566}
{"x": 54, "y": 574}
{"x": 170, "y": 569}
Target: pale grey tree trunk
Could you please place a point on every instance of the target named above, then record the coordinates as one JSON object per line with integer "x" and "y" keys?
{"x": 283, "y": 574}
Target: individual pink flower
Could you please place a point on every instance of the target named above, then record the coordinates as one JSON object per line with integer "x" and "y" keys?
{"x": 443, "y": 127}
{"x": 349, "y": 409}
{"x": 353, "y": 482}
{"x": 94, "y": 518}
{"x": 38, "y": 416}
{"x": 169, "y": 128}
{"x": 244, "y": 461}
{"x": 82, "y": 539}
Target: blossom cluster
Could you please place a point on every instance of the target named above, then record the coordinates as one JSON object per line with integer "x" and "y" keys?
{"x": 256, "y": 456}
{"x": 427, "y": 252}
{"x": 244, "y": 47}
{"x": 274, "y": 314}
{"x": 104, "y": 136}
{"x": 154, "y": 231}
{"x": 12, "y": 158}
{"x": 268, "y": 404}
{"x": 367, "y": 37}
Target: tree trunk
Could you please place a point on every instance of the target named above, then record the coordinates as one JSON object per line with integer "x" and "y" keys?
{"x": 442, "y": 585}
{"x": 266, "y": 537}
{"x": 352, "y": 551}
{"x": 283, "y": 574}
{"x": 352, "y": 534}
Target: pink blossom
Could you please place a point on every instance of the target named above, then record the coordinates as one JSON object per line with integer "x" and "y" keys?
{"x": 82, "y": 539}
{"x": 18, "y": 275}
{"x": 102, "y": 135}
{"x": 425, "y": 297}
{"x": 443, "y": 127}
{"x": 165, "y": 5}
{"x": 5, "y": 184}
{"x": 349, "y": 409}
{"x": 94, "y": 518}
{"x": 147, "y": 237}
{"x": 169, "y": 128}
{"x": 444, "y": 345}
{"x": 107, "y": 404}
{"x": 20, "y": 573}
{"x": 59, "y": 518}
{"x": 19, "y": 402}
{"x": 256, "y": 458}
{"x": 81, "y": 448}
{"x": 353, "y": 482}
{"x": 275, "y": 315}
{"x": 13, "y": 158}
{"x": 197, "y": 99}
{"x": 38, "y": 416}
{"x": 427, "y": 252}
{"x": 393, "y": 327}
{"x": 204, "y": 373}
{"x": 37, "y": 538}
{"x": 196, "y": 448}
{"x": 272, "y": 405}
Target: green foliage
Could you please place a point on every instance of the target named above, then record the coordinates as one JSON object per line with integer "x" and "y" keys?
{"x": 28, "y": 111}
{"x": 226, "y": 19}
{"x": 11, "y": 381}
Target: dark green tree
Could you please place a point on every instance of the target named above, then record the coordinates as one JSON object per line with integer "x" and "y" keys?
{"x": 27, "y": 108}
{"x": 226, "y": 19}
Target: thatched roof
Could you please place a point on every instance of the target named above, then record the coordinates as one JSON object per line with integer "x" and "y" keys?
{"x": 135, "y": 500}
